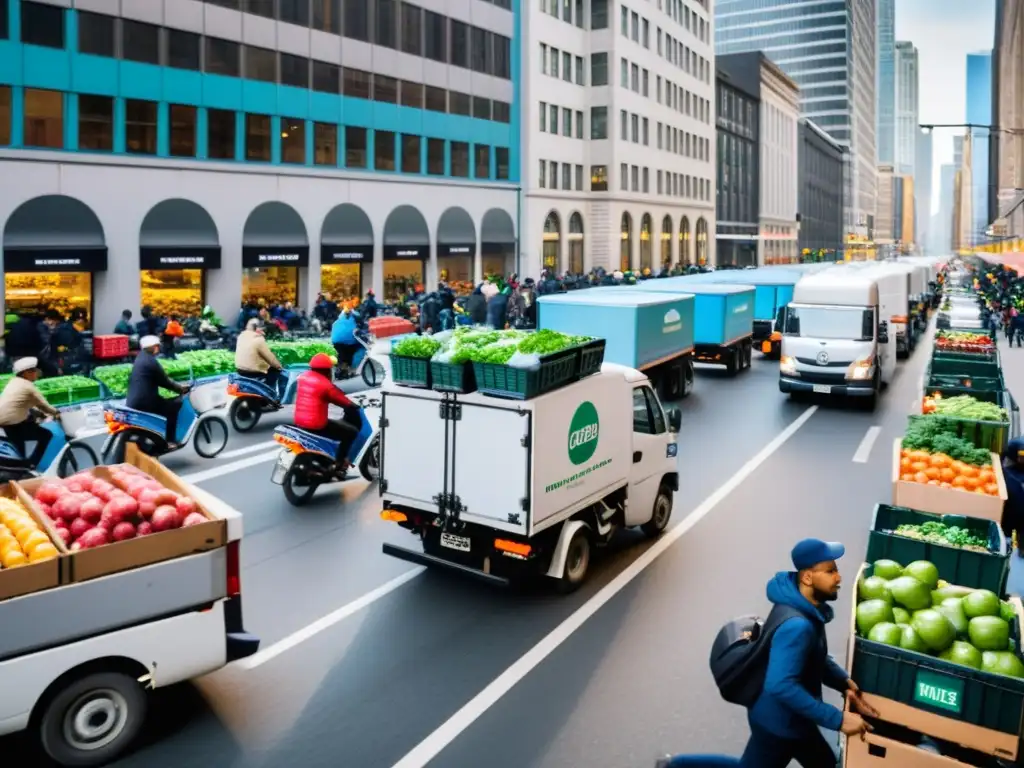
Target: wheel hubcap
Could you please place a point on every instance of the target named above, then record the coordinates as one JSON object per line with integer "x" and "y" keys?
{"x": 95, "y": 720}
{"x": 661, "y": 512}
{"x": 577, "y": 559}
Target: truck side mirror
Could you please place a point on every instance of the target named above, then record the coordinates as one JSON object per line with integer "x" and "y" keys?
{"x": 883, "y": 332}
{"x": 675, "y": 419}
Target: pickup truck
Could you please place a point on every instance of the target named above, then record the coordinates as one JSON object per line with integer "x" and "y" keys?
{"x": 500, "y": 489}
{"x": 76, "y": 660}
{"x": 651, "y": 332}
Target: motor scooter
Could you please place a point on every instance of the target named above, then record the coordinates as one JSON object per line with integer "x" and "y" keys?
{"x": 64, "y": 456}
{"x": 199, "y": 422}
{"x": 307, "y": 460}
{"x": 363, "y": 365}
{"x": 251, "y": 398}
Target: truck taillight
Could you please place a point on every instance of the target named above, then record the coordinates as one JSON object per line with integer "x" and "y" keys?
{"x": 234, "y": 580}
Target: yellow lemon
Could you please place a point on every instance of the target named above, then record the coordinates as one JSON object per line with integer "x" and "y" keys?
{"x": 24, "y": 532}
{"x": 33, "y": 540}
{"x": 14, "y": 558}
{"x": 8, "y": 546}
{"x": 42, "y": 552}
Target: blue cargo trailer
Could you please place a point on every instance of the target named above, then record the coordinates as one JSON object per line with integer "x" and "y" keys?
{"x": 723, "y": 324}
{"x": 773, "y": 289}
{"x": 652, "y": 332}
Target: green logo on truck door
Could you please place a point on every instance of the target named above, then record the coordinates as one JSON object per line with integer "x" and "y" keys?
{"x": 583, "y": 433}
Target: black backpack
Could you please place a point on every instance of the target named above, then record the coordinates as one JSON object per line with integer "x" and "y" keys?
{"x": 739, "y": 655}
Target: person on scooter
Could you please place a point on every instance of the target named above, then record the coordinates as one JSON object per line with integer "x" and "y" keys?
{"x": 253, "y": 358}
{"x": 144, "y": 384}
{"x": 315, "y": 391}
{"x": 18, "y": 399}
{"x": 343, "y": 337}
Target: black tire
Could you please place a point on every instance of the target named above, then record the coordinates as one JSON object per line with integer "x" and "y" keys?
{"x": 211, "y": 437}
{"x": 660, "y": 515}
{"x": 243, "y": 416}
{"x": 71, "y": 739}
{"x": 373, "y": 373}
{"x": 70, "y": 463}
{"x": 577, "y": 562}
{"x": 669, "y": 384}
{"x": 748, "y": 353}
{"x": 369, "y": 466}
{"x": 732, "y": 364}
{"x": 688, "y": 377}
{"x": 298, "y": 495}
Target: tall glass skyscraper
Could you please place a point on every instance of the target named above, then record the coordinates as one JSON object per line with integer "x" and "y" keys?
{"x": 886, "y": 83}
{"x": 979, "y": 112}
{"x": 907, "y": 114}
{"x": 828, "y": 47}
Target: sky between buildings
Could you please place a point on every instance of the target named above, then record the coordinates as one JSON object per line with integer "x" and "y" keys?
{"x": 944, "y": 32}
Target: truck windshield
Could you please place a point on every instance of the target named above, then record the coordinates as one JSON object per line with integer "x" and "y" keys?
{"x": 850, "y": 323}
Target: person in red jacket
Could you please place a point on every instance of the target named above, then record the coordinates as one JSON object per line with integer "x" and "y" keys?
{"x": 315, "y": 391}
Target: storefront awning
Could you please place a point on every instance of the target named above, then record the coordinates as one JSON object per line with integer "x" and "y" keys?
{"x": 274, "y": 236}
{"x": 411, "y": 251}
{"x": 178, "y": 234}
{"x": 345, "y": 254}
{"x": 456, "y": 249}
{"x": 269, "y": 256}
{"x": 179, "y": 258}
{"x": 55, "y": 259}
{"x": 456, "y": 234}
{"x": 346, "y": 236}
{"x": 54, "y": 233}
{"x": 406, "y": 235}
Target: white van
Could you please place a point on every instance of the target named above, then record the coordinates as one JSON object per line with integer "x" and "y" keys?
{"x": 494, "y": 487}
{"x": 835, "y": 338}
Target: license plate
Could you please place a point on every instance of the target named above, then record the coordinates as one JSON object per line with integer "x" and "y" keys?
{"x": 460, "y": 543}
{"x": 822, "y": 389}
{"x": 284, "y": 462}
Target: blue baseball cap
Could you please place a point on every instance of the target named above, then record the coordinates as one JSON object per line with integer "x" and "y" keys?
{"x": 810, "y": 552}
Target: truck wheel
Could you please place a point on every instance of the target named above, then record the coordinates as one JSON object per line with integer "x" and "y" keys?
{"x": 732, "y": 362}
{"x": 94, "y": 719}
{"x": 687, "y": 378}
{"x": 577, "y": 562}
{"x": 748, "y": 354}
{"x": 660, "y": 515}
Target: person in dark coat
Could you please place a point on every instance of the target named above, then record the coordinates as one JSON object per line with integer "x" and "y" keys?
{"x": 476, "y": 306}
{"x": 1013, "y": 474}
{"x": 369, "y": 308}
{"x": 144, "y": 383}
{"x": 430, "y": 311}
{"x": 24, "y": 338}
{"x": 497, "y": 310}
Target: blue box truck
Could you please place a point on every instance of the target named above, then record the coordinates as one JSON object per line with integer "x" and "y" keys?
{"x": 723, "y": 325}
{"x": 652, "y": 332}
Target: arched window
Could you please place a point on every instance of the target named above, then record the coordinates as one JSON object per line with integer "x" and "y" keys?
{"x": 646, "y": 246}
{"x": 666, "y": 242}
{"x": 627, "y": 243}
{"x": 684, "y": 242}
{"x": 576, "y": 244}
{"x": 552, "y": 241}
{"x": 702, "y": 241}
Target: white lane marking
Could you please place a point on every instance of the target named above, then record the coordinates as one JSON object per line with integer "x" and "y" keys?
{"x": 267, "y": 654}
{"x": 430, "y": 747}
{"x": 866, "y": 444}
{"x": 227, "y": 469}
{"x": 247, "y": 449}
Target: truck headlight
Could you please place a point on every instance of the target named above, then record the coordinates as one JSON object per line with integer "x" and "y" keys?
{"x": 787, "y": 365}
{"x": 861, "y": 370}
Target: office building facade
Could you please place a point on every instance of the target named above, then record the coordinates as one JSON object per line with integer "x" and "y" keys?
{"x": 1006, "y": 188}
{"x": 619, "y": 134}
{"x": 820, "y": 205}
{"x": 923, "y": 187}
{"x": 241, "y": 151}
{"x": 885, "y": 77}
{"x": 738, "y": 193}
{"x": 829, "y": 50}
{"x": 907, "y": 112}
{"x": 947, "y": 194}
{"x": 979, "y": 112}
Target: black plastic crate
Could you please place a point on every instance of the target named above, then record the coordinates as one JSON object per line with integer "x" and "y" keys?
{"x": 990, "y": 435}
{"x": 410, "y": 371}
{"x": 965, "y": 568}
{"x": 591, "y": 357}
{"x": 556, "y": 370}
{"x": 452, "y": 377}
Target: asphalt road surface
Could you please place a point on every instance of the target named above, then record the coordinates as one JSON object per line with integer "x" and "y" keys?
{"x": 367, "y": 662}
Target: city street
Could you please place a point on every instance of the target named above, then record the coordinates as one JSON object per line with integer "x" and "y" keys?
{"x": 368, "y": 662}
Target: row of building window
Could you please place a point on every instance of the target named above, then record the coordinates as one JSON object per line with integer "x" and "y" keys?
{"x": 638, "y": 29}
{"x": 549, "y": 120}
{"x": 414, "y": 31}
{"x": 348, "y": 146}
{"x": 548, "y": 177}
{"x": 549, "y": 64}
{"x": 675, "y": 97}
{"x": 571, "y": 12}
{"x": 325, "y": 15}
{"x": 633, "y": 178}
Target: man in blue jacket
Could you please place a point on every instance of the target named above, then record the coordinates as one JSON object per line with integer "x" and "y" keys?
{"x": 785, "y": 720}
{"x": 343, "y": 337}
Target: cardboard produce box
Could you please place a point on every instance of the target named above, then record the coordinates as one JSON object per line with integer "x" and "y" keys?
{"x": 947, "y": 501}
{"x": 873, "y": 751}
{"x": 34, "y": 577}
{"x": 144, "y": 550}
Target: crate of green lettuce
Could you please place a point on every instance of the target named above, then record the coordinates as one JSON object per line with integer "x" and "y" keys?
{"x": 410, "y": 360}
{"x": 987, "y": 380}
{"x": 970, "y": 551}
{"x": 986, "y": 424}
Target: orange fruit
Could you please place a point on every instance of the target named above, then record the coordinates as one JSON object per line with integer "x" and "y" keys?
{"x": 921, "y": 477}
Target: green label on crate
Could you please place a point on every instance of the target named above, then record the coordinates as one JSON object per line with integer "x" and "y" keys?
{"x": 939, "y": 691}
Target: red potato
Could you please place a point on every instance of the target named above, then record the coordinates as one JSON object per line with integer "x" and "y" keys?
{"x": 74, "y": 486}
{"x": 123, "y": 532}
{"x": 166, "y": 496}
{"x": 46, "y": 509}
{"x": 165, "y": 518}
{"x": 146, "y": 509}
{"x": 194, "y": 518}
{"x": 79, "y": 527}
{"x": 149, "y": 495}
{"x": 68, "y": 506}
{"x": 60, "y": 523}
{"x": 48, "y": 493}
{"x": 85, "y": 480}
{"x": 96, "y": 537}
{"x": 75, "y": 546}
{"x": 144, "y": 528}
{"x": 64, "y": 535}
{"x": 91, "y": 510}
{"x": 101, "y": 489}
{"x": 185, "y": 506}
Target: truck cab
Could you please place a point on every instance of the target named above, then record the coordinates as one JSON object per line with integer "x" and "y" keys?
{"x": 496, "y": 488}
{"x": 835, "y": 339}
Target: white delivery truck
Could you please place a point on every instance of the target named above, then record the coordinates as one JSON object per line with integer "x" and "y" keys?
{"x": 76, "y": 661}
{"x": 835, "y": 340}
{"x": 495, "y": 488}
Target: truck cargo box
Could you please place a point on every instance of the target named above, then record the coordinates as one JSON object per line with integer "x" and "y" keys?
{"x": 723, "y": 313}
{"x": 515, "y": 466}
{"x": 639, "y": 329}
{"x": 773, "y": 288}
